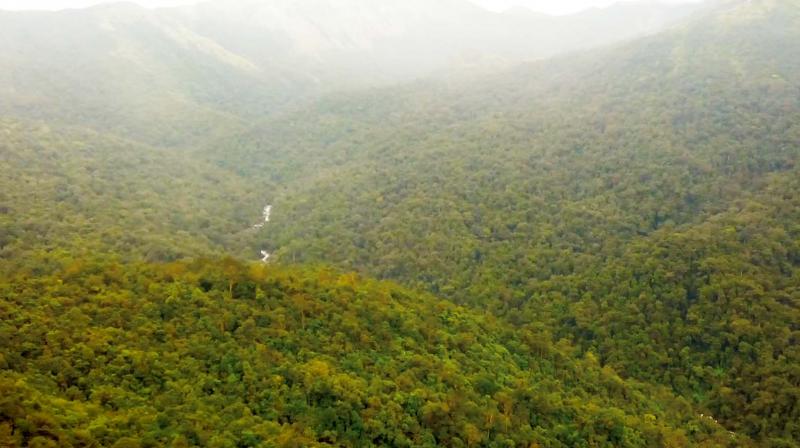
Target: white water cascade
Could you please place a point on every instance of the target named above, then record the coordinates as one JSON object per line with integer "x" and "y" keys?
{"x": 266, "y": 215}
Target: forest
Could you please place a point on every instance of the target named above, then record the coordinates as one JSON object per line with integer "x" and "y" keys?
{"x": 223, "y": 354}
{"x": 597, "y": 249}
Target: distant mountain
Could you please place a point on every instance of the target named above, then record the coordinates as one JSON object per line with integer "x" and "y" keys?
{"x": 364, "y": 41}
{"x": 123, "y": 69}
{"x": 175, "y": 76}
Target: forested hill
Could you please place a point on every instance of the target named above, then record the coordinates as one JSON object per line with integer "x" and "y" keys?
{"x": 600, "y": 249}
{"x": 639, "y": 201}
{"x": 69, "y": 191}
{"x": 221, "y": 354}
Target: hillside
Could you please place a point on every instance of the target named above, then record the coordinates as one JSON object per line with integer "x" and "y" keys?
{"x": 361, "y": 42}
{"x": 121, "y": 70}
{"x": 638, "y": 201}
{"x": 216, "y": 353}
{"x": 74, "y": 191}
{"x": 597, "y": 249}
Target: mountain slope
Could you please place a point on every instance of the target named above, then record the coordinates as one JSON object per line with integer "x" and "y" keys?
{"x": 120, "y": 69}
{"x": 615, "y": 197}
{"x": 215, "y": 353}
{"x": 358, "y": 42}
{"x": 74, "y": 191}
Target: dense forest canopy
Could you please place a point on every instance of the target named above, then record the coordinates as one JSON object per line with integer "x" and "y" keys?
{"x": 601, "y": 248}
{"x": 638, "y": 201}
{"x": 216, "y": 353}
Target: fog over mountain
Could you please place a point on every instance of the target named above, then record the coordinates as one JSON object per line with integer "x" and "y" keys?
{"x": 231, "y": 60}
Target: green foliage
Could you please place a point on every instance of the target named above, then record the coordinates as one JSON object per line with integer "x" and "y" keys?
{"x": 216, "y": 353}
{"x": 619, "y": 227}
{"x": 639, "y": 202}
{"x": 69, "y": 192}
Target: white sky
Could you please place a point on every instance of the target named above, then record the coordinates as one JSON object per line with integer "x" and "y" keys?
{"x": 564, "y": 6}
{"x": 546, "y": 6}
{"x": 65, "y": 4}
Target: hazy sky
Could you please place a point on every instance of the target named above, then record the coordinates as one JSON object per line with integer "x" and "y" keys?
{"x": 547, "y": 6}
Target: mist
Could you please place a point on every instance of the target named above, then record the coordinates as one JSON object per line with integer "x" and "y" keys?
{"x": 544, "y": 6}
{"x": 281, "y": 51}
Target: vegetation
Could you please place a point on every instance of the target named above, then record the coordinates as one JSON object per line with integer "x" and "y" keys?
{"x": 596, "y": 250}
{"x": 638, "y": 202}
{"x": 217, "y": 353}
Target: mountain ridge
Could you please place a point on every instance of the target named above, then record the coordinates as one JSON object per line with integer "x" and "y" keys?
{"x": 220, "y": 65}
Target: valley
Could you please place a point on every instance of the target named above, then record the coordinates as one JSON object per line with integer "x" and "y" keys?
{"x": 548, "y": 243}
